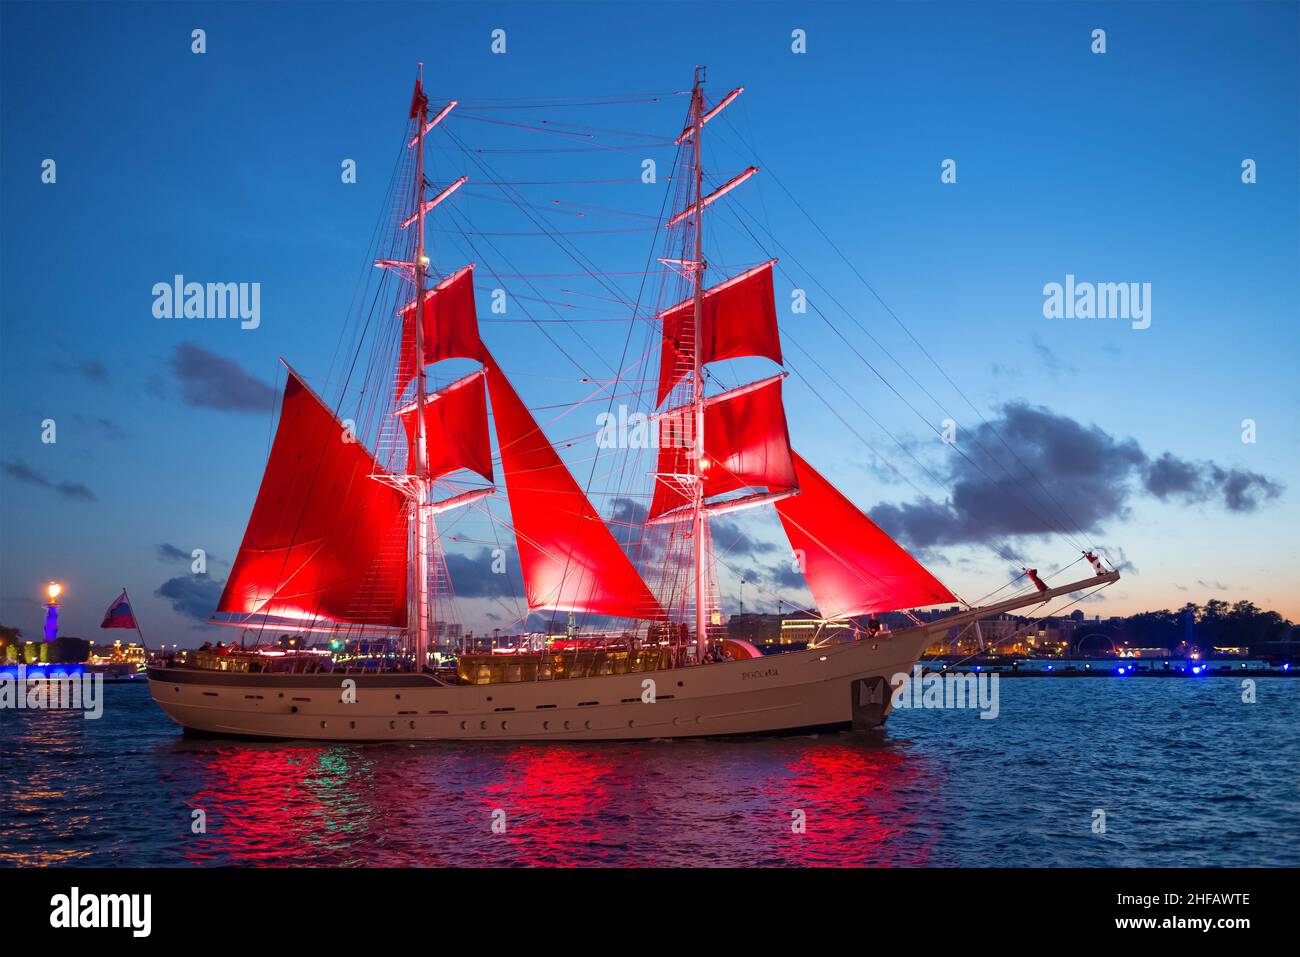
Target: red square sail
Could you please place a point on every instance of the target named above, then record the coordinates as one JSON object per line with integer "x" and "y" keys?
{"x": 455, "y": 428}
{"x": 852, "y": 567}
{"x": 739, "y": 319}
{"x": 450, "y": 326}
{"x": 746, "y": 444}
{"x": 325, "y": 542}
{"x": 569, "y": 558}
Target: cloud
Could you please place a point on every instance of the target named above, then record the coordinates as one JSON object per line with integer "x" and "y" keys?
{"x": 107, "y": 426}
{"x": 785, "y": 575}
{"x": 625, "y": 521}
{"x": 1051, "y": 361}
{"x": 90, "y": 369}
{"x": 729, "y": 539}
{"x": 1170, "y": 477}
{"x": 70, "y": 490}
{"x": 170, "y": 553}
{"x": 474, "y": 575}
{"x": 1243, "y": 490}
{"x": 210, "y": 381}
{"x": 1083, "y": 470}
{"x": 193, "y": 596}
{"x": 1117, "y": 559}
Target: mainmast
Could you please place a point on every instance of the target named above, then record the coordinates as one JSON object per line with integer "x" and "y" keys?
{"x": 699, "y": 518}
{"x": 421, "y": 518}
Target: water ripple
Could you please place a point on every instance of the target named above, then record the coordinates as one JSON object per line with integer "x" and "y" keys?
{"x": 1183, "y": 771}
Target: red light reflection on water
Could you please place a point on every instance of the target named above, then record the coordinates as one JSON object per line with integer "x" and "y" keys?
{"x": 553, "y": 799}
{"x": 858, "y": 801}
{"x": 703, "y": 804}
{"x": 275, "y": 805}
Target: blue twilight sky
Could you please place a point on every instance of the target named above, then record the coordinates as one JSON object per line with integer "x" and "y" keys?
{"x": 1117, "y": 167}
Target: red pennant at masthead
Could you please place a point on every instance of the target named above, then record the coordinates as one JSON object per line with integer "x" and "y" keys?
{"x": 418, "y": 100}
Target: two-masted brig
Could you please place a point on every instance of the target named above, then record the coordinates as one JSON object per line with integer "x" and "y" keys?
{"x": 342, "y": 546}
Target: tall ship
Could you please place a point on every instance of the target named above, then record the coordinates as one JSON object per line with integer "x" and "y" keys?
{"x": 345, "y": 550}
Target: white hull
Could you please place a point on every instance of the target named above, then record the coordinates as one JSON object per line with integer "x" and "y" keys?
{"x": 839, "y": 686}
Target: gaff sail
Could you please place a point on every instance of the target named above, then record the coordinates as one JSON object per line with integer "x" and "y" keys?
{"x": 569, "y": 558}
{"x": 852, "y": 567}
{"x": 326, "y": 541}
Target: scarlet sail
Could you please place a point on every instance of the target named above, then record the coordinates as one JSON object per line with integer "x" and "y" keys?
{"x": 450, "y": 325}
{"x": 570, "y": 560}
{"x": 325, "y": 542}
{"x": 455, "y": 428}
{"x": 746, "y": 443}
{"x": 739, "y": 319}
{"x": 852, "y": 567}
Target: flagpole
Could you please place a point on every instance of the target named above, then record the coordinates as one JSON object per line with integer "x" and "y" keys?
{"x": 136, "y": 618}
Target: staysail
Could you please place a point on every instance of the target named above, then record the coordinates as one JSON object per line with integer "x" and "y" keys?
{"x": 326, "y": 541}
{"x": 746, "y": 444}
{"x": 852, "y": 567}
{"x": 739, "y": 319}
{"x": 455, "y": 428}
{"x": 569, "y": 558}
{"x": 450, "y": 325}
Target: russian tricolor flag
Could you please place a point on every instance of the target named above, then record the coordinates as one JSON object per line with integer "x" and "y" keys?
{"x": 119, "y": 614}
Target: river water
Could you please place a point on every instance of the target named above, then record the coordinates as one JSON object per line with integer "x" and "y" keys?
{"x": 1180, "y": 771}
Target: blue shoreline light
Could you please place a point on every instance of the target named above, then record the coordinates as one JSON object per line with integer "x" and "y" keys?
{"x": 41, "y": 672}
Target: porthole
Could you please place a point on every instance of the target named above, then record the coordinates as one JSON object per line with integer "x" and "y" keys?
{"x": 566, "y": 726}
{"x": 392, "y": 726}
{"x": 505, "y": 726}
{"x": 412, "y": 725}
{"x": 322, "y": 724}
{"x": 587, "y": 725}
{"x": 546, "y": 726}
{"x": 352, "y": 725}
{"x": 482, "y": 725}
{"x": 631, "y": 724}
{"x": 464, "y": 725}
